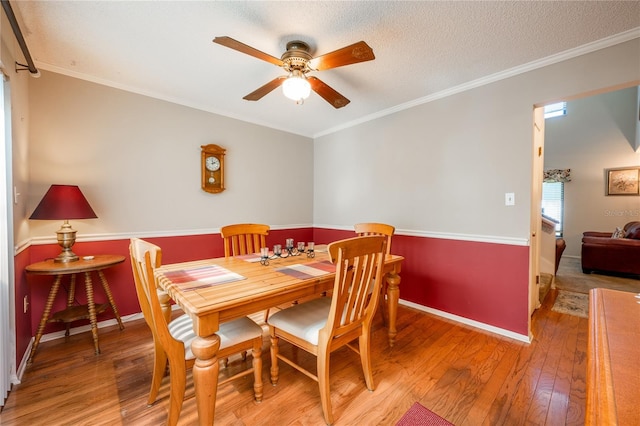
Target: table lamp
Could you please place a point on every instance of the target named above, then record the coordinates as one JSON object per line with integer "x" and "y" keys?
{"x": 64, "y": 202}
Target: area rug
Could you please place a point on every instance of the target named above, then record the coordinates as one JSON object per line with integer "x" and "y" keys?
{"x": 419, "y": 415}
{"x": 569, "y": 302}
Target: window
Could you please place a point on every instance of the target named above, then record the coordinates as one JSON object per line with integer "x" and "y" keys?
{"x": 553, "y": 203}
{"x": 555, "y": 110}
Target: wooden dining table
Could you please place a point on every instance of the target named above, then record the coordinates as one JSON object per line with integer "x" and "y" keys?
{"x": 213, "y": 291}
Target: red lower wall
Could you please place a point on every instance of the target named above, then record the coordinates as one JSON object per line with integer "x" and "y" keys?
{"x": 484, "y": 282}
{"x": 23, "y": 320}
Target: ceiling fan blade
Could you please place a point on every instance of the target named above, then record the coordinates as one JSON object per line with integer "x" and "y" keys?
{"x": 267, "y": 88}
{"x": 327, "y": 93}
{"x": 241, "y": 47}
{"x": 357, "y": 52}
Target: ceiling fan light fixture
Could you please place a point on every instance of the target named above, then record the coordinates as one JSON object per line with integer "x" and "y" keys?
{"x": 297, "y": 61}
{"x": 296, "y": 87}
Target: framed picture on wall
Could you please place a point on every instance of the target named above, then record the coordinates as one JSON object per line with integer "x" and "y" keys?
{"x": 623, "y": 181}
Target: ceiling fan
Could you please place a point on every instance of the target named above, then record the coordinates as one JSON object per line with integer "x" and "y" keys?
{"x": 297, "y": 62}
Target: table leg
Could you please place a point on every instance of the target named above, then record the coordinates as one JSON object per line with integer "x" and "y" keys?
{"x": 205, "y": 376}
{"x": 92, "y": 310}
{"x": 383, "y": 305}
{"x": 107, "y": 290}
{"x": 45, "y": 316}
{"x": 393, "y": 295}
{"x": 70, "y": 297}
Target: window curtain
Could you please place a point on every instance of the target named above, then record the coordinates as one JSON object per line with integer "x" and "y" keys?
{"x": 557, "y": 175}
{"x": 7, "y": 296}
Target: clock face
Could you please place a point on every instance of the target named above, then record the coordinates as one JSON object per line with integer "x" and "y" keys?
{"x": 212, "y": 164}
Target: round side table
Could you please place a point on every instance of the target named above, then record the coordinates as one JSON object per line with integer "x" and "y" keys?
{"x": 75, "y": 312}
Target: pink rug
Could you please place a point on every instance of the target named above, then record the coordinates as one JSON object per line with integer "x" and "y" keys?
{"x": 421, "y": 416}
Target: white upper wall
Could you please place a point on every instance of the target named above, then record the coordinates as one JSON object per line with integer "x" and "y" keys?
{"x": 137, "y": 160}
{"x": 18, "y": 89}
{"x": 443, "y": 168}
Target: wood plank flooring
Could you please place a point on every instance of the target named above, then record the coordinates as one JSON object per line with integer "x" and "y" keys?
{"x": 465, "y": 375}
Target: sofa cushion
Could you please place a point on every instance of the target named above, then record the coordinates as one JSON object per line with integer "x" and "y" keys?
{"x": 633, "y": 230}
{"x": 618, "y": 233}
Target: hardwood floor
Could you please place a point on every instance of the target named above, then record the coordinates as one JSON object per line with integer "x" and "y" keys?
{"x": 465, "y": 375}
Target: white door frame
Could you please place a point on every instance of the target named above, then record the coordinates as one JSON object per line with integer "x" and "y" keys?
{"x": 536, "y": 211}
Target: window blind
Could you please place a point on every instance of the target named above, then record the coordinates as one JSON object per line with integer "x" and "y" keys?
{"x": 553, "y": 203}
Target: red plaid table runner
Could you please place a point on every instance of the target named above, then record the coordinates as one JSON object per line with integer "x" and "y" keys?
{"x": 202, "y": 276}
{"x": 309, "y": 270}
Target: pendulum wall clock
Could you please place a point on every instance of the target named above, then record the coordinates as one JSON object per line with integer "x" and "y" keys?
{"x": 212, "y": 168}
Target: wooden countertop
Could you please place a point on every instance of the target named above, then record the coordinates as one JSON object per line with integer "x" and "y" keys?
{"x": 613, "y": 358}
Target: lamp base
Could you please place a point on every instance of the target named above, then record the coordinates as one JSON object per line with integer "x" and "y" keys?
{"x": 66, "y": 239}
{"x": 66, "y": 257}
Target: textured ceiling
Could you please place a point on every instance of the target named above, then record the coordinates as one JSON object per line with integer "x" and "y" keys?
{"x": 164, "y": 49}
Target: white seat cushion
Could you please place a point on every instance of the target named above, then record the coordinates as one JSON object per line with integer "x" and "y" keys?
{"x": 303, "y": 320}
{"x": 231, "y": 333}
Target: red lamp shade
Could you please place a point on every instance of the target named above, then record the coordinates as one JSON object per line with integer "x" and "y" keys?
{"x": 63, "y": 202}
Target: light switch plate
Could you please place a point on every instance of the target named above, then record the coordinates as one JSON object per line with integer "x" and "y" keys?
{"x": 509, "y": 199}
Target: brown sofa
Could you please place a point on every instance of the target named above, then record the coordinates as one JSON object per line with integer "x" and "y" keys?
{"x": 602, "y": 253}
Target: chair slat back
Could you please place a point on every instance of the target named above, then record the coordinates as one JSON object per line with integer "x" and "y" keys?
{"x": 145, "y": 257}
{"x": 373, "y": 228}
{"x": 244, "y": 238}
{"x": 137, "y": 248}
{"x": 357, "y": 261}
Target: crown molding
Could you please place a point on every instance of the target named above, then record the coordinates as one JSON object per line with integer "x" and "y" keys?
{"x": 502, "y": 75}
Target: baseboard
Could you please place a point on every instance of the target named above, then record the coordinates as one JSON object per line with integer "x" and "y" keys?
{"x": 469, "y": 322}
{"x": 87, "y": 327}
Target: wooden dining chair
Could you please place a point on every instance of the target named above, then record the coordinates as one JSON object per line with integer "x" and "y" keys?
{"x": 323, "y": 325}
{"x": 175, "y": 337}
{"x": 159, "y": 355}
{"x": 244, "y": 238}
{"x": 373, "y": 228}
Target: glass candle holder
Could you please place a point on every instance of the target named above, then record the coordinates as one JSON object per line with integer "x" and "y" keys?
{"x": 264, "y": 252}
{"x": 300, "y": 246}
{"x": 277, "y": 249}
{"x": 289, "y": 243}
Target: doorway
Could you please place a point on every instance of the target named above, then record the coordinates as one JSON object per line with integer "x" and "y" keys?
{"x": 601, "y": 130}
